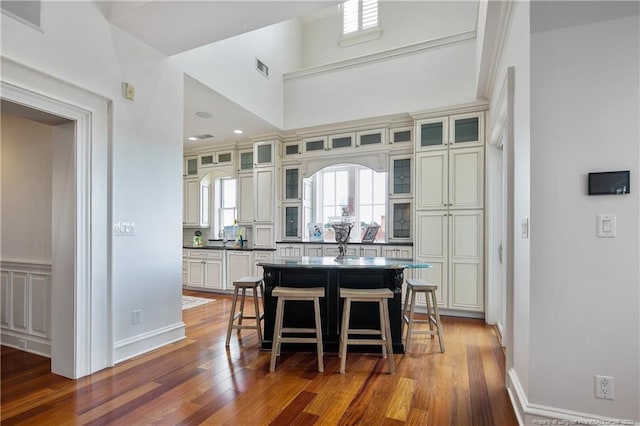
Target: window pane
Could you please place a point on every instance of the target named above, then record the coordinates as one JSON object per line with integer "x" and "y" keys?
{"x": 228, "y": 216}
{"x": 328, "y": 188}
{"x": 327, "y": 213}
{"x": 366, "y": 195}
{"x": 342, "y": 188}
{"x": 228, "y": 193}
{"x": 350, "y": 16}
{"x": 366, "y": 214}
{"x": 369, "y": 13}
{"x": 379, "y": 188}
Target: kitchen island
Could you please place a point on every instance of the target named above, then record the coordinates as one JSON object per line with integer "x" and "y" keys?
{"x": 332, "y": 274}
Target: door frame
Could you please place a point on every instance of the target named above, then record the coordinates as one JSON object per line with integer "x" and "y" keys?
{"x": 81, "y": 320}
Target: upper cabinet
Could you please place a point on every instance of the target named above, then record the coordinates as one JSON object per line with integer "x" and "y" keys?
{"x": 454, "y": 131}
{"x": 400, "y": 175}
{"x": 432, "y": 134}
{"x": 246, "y": 161}
{"x": 401, "y": 135}
{"x": 212, "y": 159}
{"x": 317, "y": 144}
{"x": 371, "y": 137}
{"x": 190, "y": 166}
{"x": 291, "y": 181}
{"x": 341, "y": 141}
{"x": 466, "y": 130}
{"x": 263, "y": 154}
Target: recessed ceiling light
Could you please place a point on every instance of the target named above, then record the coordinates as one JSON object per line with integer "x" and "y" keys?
{"x": 199, "y": 137}
{"x": 238, "y": 132}
{"x": 204, "y": 114}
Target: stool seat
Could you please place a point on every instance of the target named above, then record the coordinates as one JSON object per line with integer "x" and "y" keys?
{"x": 415, "y": 286}
{"x": 284, "y": 294}
{"x": 240, "y": 288}
{"x": 380, "y": 296}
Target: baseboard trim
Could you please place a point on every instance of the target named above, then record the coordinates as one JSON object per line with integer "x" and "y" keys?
{"x": 26, "y": 342}
{"x": 147, "y": 342}
{"x": 526, "y": 412}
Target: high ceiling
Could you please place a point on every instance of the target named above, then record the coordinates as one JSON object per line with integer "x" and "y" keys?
{"x": 172, "y": 27}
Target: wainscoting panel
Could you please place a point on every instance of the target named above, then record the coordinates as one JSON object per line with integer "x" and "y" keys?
{"x": 25, "y": 310}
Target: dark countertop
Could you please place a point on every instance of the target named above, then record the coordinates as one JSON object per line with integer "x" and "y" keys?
{"x": 345, "y": 263}
{"x": 230, "y": 247}
{"x": 376, "y": 243}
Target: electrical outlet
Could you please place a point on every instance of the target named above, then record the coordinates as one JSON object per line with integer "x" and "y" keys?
{"x": 604, "y": 387}
{"x": 137, "y": 316}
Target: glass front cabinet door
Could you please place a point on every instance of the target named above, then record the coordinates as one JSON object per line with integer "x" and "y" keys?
{"x": 466, "y": 130}
{"x": 432, "y": 133}
{"x": 400, "y": 176}
{"x": 291, "y": 184}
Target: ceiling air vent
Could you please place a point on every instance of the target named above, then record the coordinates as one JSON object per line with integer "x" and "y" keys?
{"x": 199, "y": 137}
{"x": 262, "y": 68}
{"x": 27, "y": 12}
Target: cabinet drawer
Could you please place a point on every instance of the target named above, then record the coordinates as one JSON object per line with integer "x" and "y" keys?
{"x": 262, "y": 256}
{"x": 206, "y": 254}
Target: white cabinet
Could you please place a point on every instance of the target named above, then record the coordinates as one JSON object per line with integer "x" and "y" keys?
{"x": 264, "y": 236}
{"x": 333, "y": 251}
{"x": 460, "y": 130}
{"x": 191, "y": 204}
{"x": 245, "y": 199}
{"x": 313, "y": 250}
{"x": 190, "y": 166}
{"x": 261, "y": 256}
{"x": 375, "y": 137}
{"x": 290, "y": 250}
{"x": 291, "y": 226}
{"x": 454, "y": 247}
{"x": 400, "y": 176}
{"x": 400, "y": 218}
{"x": 239, "y": 264}
{"x": 397, "y": 252}
{"x": 401, "y": 136}
{"x": 291, "y": 184}
{"x": 196, "y": 203}
{"x": 264, "y": 154}
{"x": 450, "y": 179}
{"x": 212, "y": 159}
{"x": 365, "y": 250}
{"x": 185, "y": 267}
{"x": 205, "y": 269}
{"x": 246, "y": 161}
{"x": 264, "y": 195}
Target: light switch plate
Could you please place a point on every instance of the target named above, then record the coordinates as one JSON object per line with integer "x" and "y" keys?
{"x": 606, "y": 226}
{"x": 524, "y": 232}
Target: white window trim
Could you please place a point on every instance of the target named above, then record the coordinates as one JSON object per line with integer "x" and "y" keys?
{"x": 360, "y": 35}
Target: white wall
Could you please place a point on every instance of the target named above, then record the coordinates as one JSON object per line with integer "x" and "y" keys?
{"x": 432, "y": 78}
{"x": 25, "y": 203}
{"x": 229, "y": 67}
{"x": 516, "y": 53}
{"x": 585, "y": 315}
{"x": 403, "y": 23}
{"x": 143, "y": 163}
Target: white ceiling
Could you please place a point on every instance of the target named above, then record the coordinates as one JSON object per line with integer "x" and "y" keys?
{"x": 174, "y": 26}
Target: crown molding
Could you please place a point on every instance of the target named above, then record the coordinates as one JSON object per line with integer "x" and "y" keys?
{"x": 381, "y": 56}
{"x": 480, "y": 105}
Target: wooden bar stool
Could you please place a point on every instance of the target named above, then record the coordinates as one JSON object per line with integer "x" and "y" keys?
{"x": 379, "y": 295}
{"x": 415, "y": 286}
{"x": 240, "y": 289}
{"x": 293, "y": 293}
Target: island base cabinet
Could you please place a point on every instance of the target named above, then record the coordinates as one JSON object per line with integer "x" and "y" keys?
{"x": 364, "y": 315}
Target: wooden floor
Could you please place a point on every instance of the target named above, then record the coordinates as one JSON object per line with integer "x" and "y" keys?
{"x": 198, "y": 381}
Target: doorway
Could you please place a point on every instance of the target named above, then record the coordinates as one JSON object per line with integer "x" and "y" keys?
{"x": 80, "y": 289}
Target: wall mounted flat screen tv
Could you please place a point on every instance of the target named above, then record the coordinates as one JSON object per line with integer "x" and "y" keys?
{"x": 609, "y": 183}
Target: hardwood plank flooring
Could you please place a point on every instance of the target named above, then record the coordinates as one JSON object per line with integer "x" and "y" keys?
{"x": 199, "y": 381}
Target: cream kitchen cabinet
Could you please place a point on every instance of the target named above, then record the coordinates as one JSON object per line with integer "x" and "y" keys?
{"x": 196, "y": 207}
{"x": 313, "y": 250}
{"x": 239, "y": 264}
{"x": 245, "y": 198}
{"x": 261, "y": 256}
{"x": 397, "y": 252}
{"x": 290, "y": 250}
{"x": 205, "y": 269}
{"x": 368, "y": 250}
{"x": 212, "y": 159}
{"x": 454, "y": 131}
{"x": 264, "y": 184}
{"x": 450, "y": 179}
{"x": 454, "y": 248}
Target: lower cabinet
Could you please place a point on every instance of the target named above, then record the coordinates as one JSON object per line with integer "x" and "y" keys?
{"x": 205, "y": 269}
{"x": 290, "y": 250}
{"x": 239, "y": 264}
{"x": 455, "y": 251}
{"x": 261, "y": 256}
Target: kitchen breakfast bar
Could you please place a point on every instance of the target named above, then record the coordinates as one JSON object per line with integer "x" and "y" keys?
{"x": 332, "y": 274}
